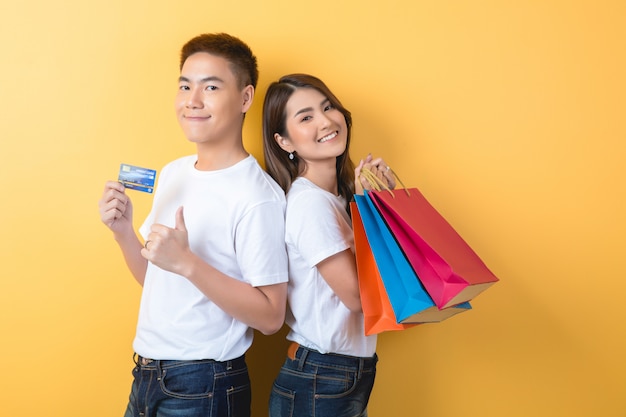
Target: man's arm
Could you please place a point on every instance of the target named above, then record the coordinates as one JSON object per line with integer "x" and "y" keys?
{"x": 262, "y": 308}
{"x": 116, "y": 212}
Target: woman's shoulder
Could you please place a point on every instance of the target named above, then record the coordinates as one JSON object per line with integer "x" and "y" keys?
{"x": 304, "y": 196}
{"x": 303, "y": 190}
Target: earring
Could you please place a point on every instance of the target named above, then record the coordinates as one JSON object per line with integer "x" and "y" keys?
{"x": 291, "y": 156}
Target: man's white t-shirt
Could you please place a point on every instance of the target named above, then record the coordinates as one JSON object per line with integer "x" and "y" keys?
{"x": 235, "y": 221}
{"x": 317, "y": 226}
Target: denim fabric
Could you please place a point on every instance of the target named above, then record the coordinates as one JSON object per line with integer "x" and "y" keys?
{"x": 203, "y": 388}
{"x": 320, "y": 385}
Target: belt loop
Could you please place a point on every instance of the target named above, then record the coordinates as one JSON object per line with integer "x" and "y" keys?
{"x": 361, "y": 365}
{"x": 229, "y": 365}
{"x": 302, "y": 358}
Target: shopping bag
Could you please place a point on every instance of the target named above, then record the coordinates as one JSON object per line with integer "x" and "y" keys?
{"x": 377, "y": 310}
{"x": 448, "y": 268}
{"x": 409, "y": 300}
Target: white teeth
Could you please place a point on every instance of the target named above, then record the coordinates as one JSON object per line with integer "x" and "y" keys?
{"x": 328, "y": 137}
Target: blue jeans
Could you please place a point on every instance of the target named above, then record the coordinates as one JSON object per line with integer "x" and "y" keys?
{"x": 323, "y": 385}
{"x": 203, "y": 388}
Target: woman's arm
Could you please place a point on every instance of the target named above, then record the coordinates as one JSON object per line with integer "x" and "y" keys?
{"x": 339, "y": 271}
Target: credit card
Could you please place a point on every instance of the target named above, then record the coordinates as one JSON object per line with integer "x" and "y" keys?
{"x": 137, "y": 178}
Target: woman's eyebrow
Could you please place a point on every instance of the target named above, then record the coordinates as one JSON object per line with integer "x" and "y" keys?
{"x": 307, "y": 109}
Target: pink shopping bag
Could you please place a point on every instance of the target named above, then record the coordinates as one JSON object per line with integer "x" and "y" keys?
{"x": 449, "y": 269}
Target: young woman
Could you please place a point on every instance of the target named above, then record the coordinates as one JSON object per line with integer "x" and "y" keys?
{"x": 331, "y": 364}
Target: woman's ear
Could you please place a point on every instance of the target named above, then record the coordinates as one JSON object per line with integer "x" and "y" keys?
{"x": 283, "y": 142}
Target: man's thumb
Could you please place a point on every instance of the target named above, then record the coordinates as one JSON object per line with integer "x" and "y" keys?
{"x": 180, "y": 219}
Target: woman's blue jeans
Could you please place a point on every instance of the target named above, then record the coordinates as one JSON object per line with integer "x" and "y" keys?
{"x": 203, "y": 388}
{"x": 323, "y": 385}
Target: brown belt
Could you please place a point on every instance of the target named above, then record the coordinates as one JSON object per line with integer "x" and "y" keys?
{"x": 291, "y": 351}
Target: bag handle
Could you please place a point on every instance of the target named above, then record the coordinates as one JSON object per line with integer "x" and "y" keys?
{"x": 379, "y": 185}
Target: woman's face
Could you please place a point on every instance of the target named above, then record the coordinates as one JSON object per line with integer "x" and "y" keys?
{"x": 316, "y": 130}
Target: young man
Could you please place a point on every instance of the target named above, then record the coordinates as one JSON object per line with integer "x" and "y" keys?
{"x": 213, "y": 265}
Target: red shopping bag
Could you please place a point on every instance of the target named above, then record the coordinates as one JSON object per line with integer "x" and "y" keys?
{"x": 377, "y": 310}
{"x": 449, "y": 269}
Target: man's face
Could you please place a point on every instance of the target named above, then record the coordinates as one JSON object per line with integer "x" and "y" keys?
{"x": 209, "y": 104}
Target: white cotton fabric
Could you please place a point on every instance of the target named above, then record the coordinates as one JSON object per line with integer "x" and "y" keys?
{"x": 317, "y": 226}
{"x": 235, "y": 220}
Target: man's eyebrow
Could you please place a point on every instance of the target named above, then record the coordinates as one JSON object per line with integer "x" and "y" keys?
{"x": 308, "y": 109}
{"x": 201, "y": 80}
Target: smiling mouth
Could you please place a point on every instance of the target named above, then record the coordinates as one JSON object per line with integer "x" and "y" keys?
{"x": 192, "y": 118}
{"x": 327, "y": 137}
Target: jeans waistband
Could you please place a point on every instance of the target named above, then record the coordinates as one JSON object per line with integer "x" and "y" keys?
{"x": 300, "y": 353}
{"x": 236, "y": 363}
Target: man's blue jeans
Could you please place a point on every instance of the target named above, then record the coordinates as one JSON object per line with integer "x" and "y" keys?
{"x": 203, "y": 388}
{"x": 313, "y": 384}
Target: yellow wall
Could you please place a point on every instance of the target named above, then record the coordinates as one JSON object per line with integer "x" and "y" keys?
{"x": 508, "y": 115}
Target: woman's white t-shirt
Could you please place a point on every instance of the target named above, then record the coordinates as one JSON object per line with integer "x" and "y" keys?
{"x": 317, "y": 226}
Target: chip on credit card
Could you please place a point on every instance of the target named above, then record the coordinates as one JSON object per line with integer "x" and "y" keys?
{"x": 137, "y": 178}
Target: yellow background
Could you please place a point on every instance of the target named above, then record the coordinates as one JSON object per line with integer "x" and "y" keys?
{"x": 509, "y": 116}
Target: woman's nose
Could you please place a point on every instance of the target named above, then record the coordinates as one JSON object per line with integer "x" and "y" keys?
{"x": 325, "y": 121}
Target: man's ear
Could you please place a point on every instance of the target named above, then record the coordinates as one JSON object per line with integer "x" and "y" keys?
{"x": 248, "y": 96}
{"x": 284, "y": 143}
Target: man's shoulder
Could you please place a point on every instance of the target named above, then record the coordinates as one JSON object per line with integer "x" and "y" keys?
{"x": 259, "y": 183}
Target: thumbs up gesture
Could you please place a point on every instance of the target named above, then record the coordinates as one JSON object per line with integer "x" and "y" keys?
{"x": 168, "y": 248}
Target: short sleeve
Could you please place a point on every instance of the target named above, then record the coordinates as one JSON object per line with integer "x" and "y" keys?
{"x": 316, "y": 227}
{"x": 260, "y": 244}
